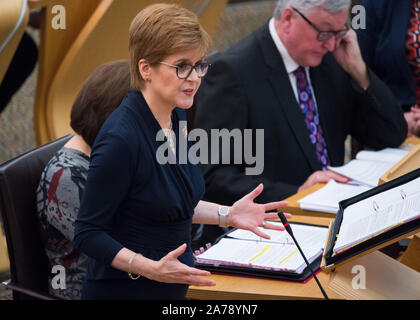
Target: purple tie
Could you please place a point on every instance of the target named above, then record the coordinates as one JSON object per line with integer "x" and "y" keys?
{"x": 309, "y": 110}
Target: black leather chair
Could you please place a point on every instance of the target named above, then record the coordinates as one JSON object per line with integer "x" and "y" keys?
{"x": 19, "y": 179}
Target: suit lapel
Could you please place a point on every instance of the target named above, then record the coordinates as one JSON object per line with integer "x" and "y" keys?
{"x": 287, "y": 105}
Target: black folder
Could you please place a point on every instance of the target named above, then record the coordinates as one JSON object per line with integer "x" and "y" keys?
{"x": 256, "y": 272}
{"x": 376, "y": 242}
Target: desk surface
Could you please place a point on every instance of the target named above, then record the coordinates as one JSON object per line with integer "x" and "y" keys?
{"x": 412, "y": 140}
{"x": 232, "y": 287}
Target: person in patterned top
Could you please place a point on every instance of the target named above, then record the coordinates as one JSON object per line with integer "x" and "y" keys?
{"x": 63, "y": 180}
{"x": 390, "y": 45}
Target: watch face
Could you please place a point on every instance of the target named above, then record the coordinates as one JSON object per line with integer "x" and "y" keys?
{"x": 224, "y": 211}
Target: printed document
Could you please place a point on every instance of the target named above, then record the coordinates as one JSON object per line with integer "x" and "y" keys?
{"x": 327, "y": 198}
{"x": 244, "y": 248}
{"x": 379, "y": 213}
{"x": 369, "y": 166}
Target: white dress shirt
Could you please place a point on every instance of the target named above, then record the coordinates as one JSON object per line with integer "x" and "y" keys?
{"x": 289, "y": 63}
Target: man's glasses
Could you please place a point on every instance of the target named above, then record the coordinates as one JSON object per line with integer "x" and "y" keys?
{"x": 324, "y": 35}
{"x": 183, "y": 71}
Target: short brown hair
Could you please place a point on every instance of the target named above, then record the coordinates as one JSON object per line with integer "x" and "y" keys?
{"x": 160, "y": 30}
{"x": 101, "y": 94}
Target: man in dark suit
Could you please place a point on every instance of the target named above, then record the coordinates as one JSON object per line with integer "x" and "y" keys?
{"x": 257, "y": 84}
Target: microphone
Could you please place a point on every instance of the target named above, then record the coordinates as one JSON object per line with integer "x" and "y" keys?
{"x": 289, "y": 231}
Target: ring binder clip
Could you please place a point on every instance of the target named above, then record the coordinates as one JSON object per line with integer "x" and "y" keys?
{"x": 375, "y": 206}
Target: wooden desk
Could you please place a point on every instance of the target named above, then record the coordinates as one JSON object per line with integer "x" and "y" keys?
{"x": 412, "y": 140}
{"x": 232, "y": 287}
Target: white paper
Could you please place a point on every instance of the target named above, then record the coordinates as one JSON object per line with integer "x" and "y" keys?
{"x": 366, "y": 172}
{"x": 258, "y": 254}
{"x": 244, "y": 248}
{"x": 327, "y": 198}
{"x": 378, "y": 213}
{"x": 388, "y": 154}
{"x": 369, "y": 166}
{"x": 304, "y": 234}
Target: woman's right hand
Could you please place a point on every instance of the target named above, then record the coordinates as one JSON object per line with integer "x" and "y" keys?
{"x": 170, "y": 270}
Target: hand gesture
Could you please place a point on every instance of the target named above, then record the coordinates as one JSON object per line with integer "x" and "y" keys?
{"x": 170, "y": 270}
{"x": 248, "y": 215}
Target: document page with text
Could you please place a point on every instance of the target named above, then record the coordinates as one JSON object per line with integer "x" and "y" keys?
{"x": 245, "y": 249}
{"x": 327, "y": 198}
{"x": 369, "y": 166}
{"x": 376, "y": 214}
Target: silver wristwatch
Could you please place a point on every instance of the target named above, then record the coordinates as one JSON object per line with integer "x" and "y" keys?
{"x": 223, "y": 215}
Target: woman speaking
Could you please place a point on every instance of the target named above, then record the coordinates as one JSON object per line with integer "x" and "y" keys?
{"x": 136, "y": 214}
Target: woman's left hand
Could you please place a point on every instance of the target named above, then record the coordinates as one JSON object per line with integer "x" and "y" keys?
{"x": 248, "y": 215}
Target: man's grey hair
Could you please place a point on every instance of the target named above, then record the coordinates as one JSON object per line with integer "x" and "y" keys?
{"x": 332, "y": 6}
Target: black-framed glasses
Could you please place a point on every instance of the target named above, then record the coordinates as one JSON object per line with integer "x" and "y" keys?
{"x": 184, "y": 70}
{"x": 324, "y": 35}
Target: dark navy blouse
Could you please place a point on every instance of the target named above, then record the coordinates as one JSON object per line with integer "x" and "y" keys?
{"x": 130, "y": 199}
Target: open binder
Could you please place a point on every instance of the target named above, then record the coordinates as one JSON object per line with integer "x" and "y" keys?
{"x": 405, "y": 189}
{"x": 223, "y": 265}
{"x": 401, "y": 213}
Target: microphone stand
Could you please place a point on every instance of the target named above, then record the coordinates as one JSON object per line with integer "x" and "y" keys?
{"x": 289, "y": 231}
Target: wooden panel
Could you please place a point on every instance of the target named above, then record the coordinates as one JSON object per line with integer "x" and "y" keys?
{"x": 101, "y": 36}
{"x": 234, "y": 287}
{"x": 10, "y": 12}
{"x": 407, "y": 164}
{"x": 386, "y": 279}
{"x": 411, "y": 256}
{"x": 412, "y": 140}
{"x": 4, "y": 257}
{"x": 53, "y": 46}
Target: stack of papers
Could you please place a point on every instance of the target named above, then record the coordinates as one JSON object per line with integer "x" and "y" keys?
{"x": 369, "y": 166}
{"x": 379, "y": 213}
{"x": 245, "y": 249}
{"x": 327, "y": 198}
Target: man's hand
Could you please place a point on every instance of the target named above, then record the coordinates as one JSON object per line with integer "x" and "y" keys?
{"x": 412, "y": 118}
{"x": 348, "y": 55}
{"x": 322, "y": 177}
{"x": 416, "y": 119}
